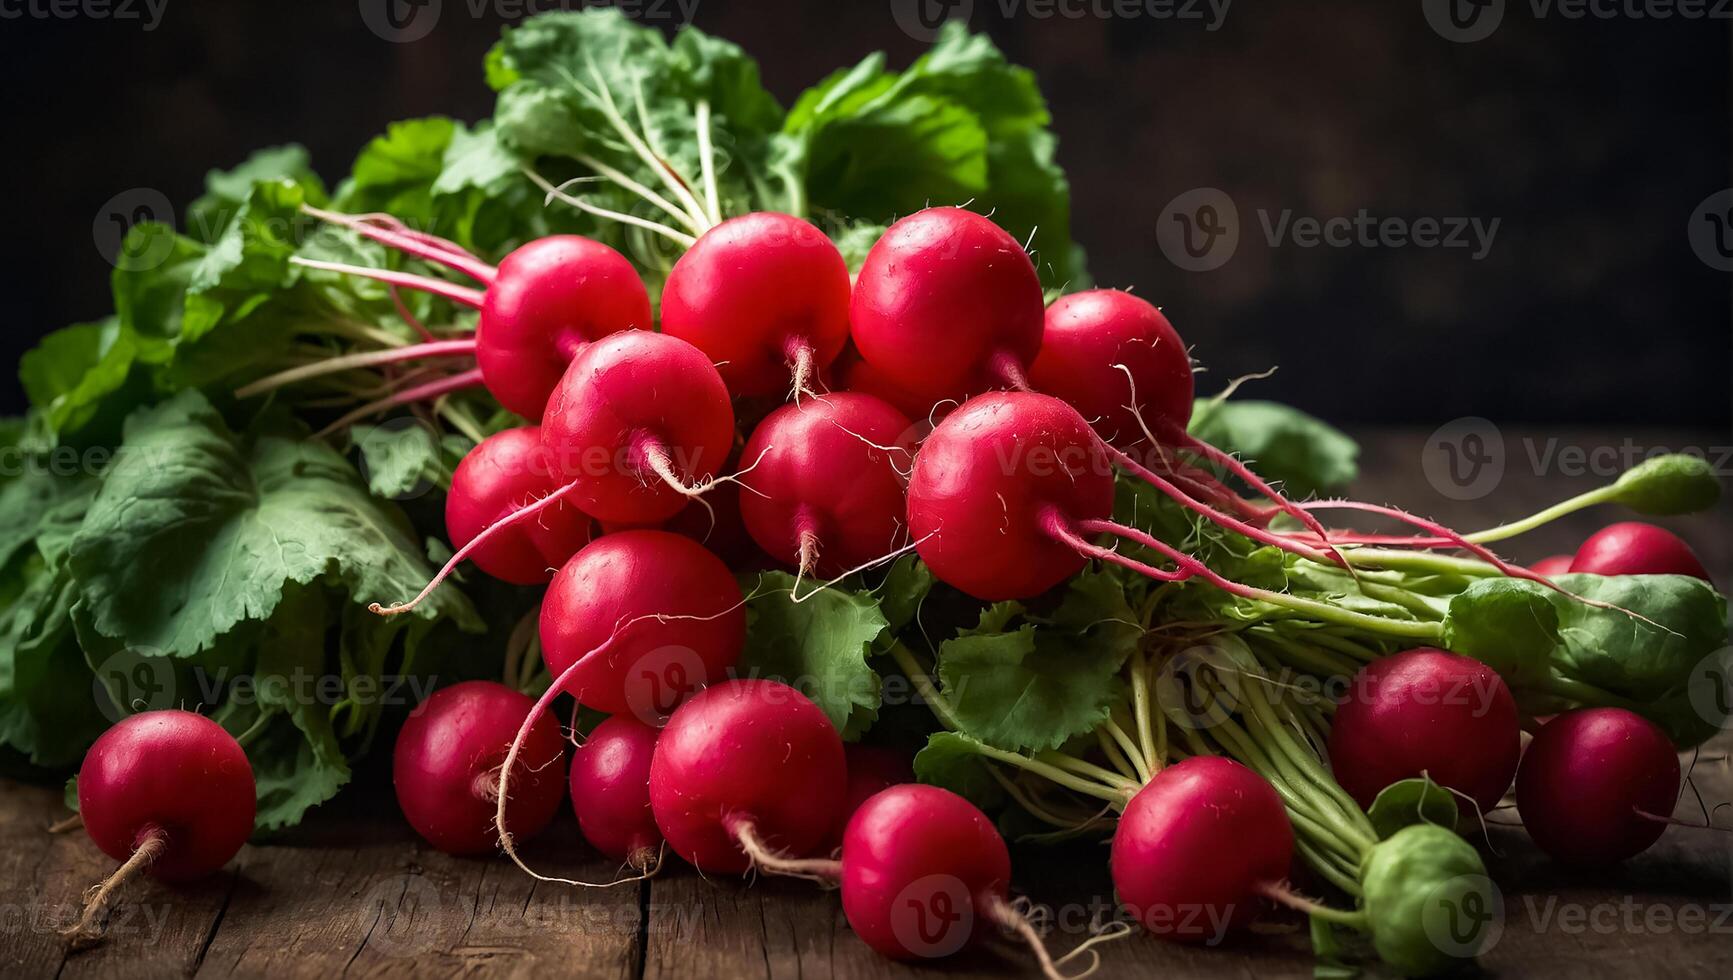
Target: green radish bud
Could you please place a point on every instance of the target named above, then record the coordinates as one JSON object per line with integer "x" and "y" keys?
{"x": 1428, "y": 900}
{"x": 1673, "y": 484}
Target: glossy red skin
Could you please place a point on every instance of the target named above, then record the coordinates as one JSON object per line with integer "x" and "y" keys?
{"x": 1552, "y": 565}
{"x": 171, "y": 772}
{"x": 920, "y": 867}
{"x": 1426, "y": 711}
{"x": 746, "y": 749}
{"x": 855, "y": 374}
{"x": 618, "y": 584}
{"x": 871, "y": 769}
{"x": 1194, "y": 846}
{"x": 506, "y": 471}
{"x": 611, "y": 790}
{"x": 940, "y": 295}
{"x": 551, "y": 297}
{"x": 620, "y": 391}
{"x": 751, "y": 290}
{"x": 982, "y": 481}
{"x": 448, "y": 756}
{"x": 815, "y": 466}
{"x": 1584, "y": 778}
{"x": 1636, "y": 548}
{"x": 1086, "y": 335}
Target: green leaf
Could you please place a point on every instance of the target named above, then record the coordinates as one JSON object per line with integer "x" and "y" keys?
{"x": 818, "y": 645}
{"x": 196, "y": 530}
{"x": 226, "y": 190}
{"x": 1018, "y": 681}
{"x": 905, "y": 588}
{"x": 399, "y": 460}
{"x": 69, "y": 374}
{"x": 954, "y": 762}
{"x": 1411, "y": 801}
{"x": 1509, "y": 624}
{"x": 1629, "y": 657}
{"x": 1306, "y": 455}
{"x": 294, "y": 773}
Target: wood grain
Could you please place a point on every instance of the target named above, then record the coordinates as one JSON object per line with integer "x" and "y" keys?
{"x": 354, "y": 892}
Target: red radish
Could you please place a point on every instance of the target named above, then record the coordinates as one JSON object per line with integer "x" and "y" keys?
{"x": 1198, "y": 846}
{"x": 924, "y": 873}
{"x": 1597, "y": 785}
{"x": 503, "y": 473}
{"x": 1105, "y": 350}
{"x": 637, "y": 424}
{"x": 825, "y": 486}
{"x": 995, "y": 489}
{"x": 1426, "y": 712}
{"x": 871, "y": 769}
{"x": 1636, "y": 548}
{"x": 763, "y": 295}
{"x": 165, "y": 792}
{"x": 446, "y": 767}
{"x": 691, "y": 623}
{"x": 542, "y": 304}
{"x": 1551, "y": 565}
{"x": 947, "y": 304}
{"x": 746, "y": 766}
{"x": 611, "y": 791}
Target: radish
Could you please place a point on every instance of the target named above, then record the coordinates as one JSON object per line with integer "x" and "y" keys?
{"x": 611, "y": 791}
{"x": 1551, "y": 565}
{"x": 766, "y": 297}
{"x": 743, "y": 767}
{"x": 639, "y": 577}
{"x": 1597, "y": 785}
{"x": 634, "y": 432}
{"x": 1429, "y": 713}
{"x": 543, "y": 303}
{"x": 446, "y": 767}
{"x": 1197, "y": 848}
{"x": 855, "y": 374}
{"x": 825, "y": 491}
{"x": 1105, "y": 351}
{"x": 1636, "y": 548}
{"x": 947, "y": 304}
{"x": 502, "y": 473}
{"x": 637, "y": 425}
{"x": 165, "y": 792}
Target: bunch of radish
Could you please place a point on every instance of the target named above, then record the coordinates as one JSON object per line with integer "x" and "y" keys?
{"x": 607, "y": 496}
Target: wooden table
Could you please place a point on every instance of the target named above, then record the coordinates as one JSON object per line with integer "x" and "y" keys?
{"x": 353, "y": 891}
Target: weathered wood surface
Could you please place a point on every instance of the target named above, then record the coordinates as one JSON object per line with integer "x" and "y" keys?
{"x": 354, "y": 892}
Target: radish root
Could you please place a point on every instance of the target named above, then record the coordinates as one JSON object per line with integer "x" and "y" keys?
{"x": 825, "y": 871}
{"x": 1006, "y": 915}
{"x": 89, "y": 927}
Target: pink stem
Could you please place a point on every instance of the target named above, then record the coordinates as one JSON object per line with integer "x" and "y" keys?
{"x": 364, "y": 359}
{"x": 462, "y": 295}
{"x": 528, "y": 510}
{"x": 1225, "y": 520}
{"x": 1256, "y": 482}
{"x": 1005, "y": 368}
{"x": 1188, "y": 566}
{"x": 408, "y": 317}
{"x": 414, "y": 243}
{"x": 1057, "y": 527}
{"x": 419, "y": 393}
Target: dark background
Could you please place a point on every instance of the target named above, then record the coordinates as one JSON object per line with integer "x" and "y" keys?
{"x": 1592, "y": 141}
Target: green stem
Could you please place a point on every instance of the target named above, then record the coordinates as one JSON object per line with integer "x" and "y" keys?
{"x": 1581, "y": 501}
{"x": 1140, "y": 708}
{"x": 1060, "y": 760}
{"x": 1575, "y": 690}
{"x": 1112, "y": 794}
{"x": 1130, "y": 747}
{"x": 1346, "y": 879}
{"x": 1418, "y": 561}
{"x": 918, "y": 676}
